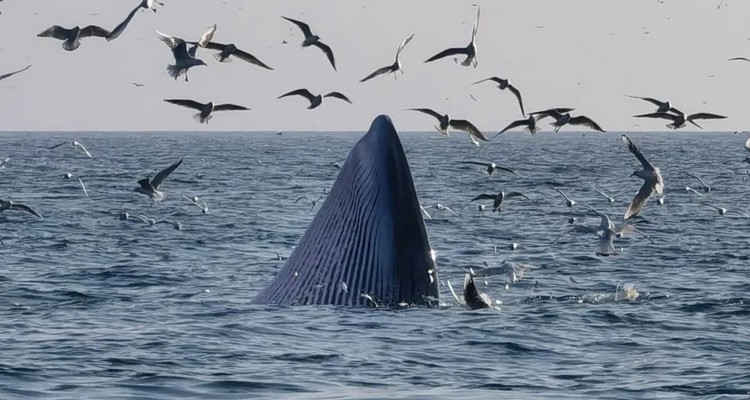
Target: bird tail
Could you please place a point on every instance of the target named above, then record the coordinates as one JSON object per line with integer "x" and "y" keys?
{"x": 221, "y": 58}
{"x": 201, "y": 119}
{"x": 70, "y": 45}
{"x": 174, "y": 71}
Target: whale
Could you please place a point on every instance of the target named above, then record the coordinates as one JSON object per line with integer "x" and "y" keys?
{"x": 367, "y": 246}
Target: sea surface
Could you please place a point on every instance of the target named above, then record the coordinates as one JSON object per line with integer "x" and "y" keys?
{"x": 92, "y": 306}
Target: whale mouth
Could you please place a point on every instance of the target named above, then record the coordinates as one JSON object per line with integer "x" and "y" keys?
{"x": 367, "y": 245}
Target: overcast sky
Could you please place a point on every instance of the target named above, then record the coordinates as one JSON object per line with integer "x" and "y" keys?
{"x": 581, "y": 53}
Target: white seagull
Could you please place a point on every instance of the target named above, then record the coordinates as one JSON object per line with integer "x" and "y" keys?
{"x": 652, "y": 181}
{"x": 661, "y": 106}
{"x": 68, "y": 175}
{"x": 195, "y": 200}
{"x": 75, "y": 144}
{"x": 315, "y": 100}
{"x": 498, "y": 198}
{"x": 470, "y": 51}
{"x": 491, "y": 167}
{"x": 151, "y": 187}
{"x": 393, "y": 68}
{"x": 568, "y": 201}
{"x": 704, "y": 186}
{"x": 206, "y": 109}
{"x": 4, "y": 162}
{"x": 446, "y": 123}
{"x": 71, "y": 37}
{"x": 723, "y": 211}
{"x": 313, "y": 40}
{"x": 680, "y": 120}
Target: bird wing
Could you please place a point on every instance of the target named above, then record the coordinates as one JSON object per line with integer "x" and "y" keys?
{"x": 563, "y": 194}
{"x": 648, "y": 99}
{"x": 661, "y": 115}
{"x": 25, "y": 208}
{"x": 86, "y": 192}
{"x": 514, "y": 124}
{"x": 518, "y": 96}
{"x": 739, "y": 59}
{"x": 476, "y": 26}
{"x": 403, "y": 44}
{"x": 57, "y": 145}
{"x": 466, "y": 126}
{"x": 171, "y": 41}
{"x": 552, "y": 112}
{"x": 639, "y": 200}
{"x": 483, "y": 197}
{"x": 93, "y": 30}
{"x": 301, "y": 92}
{"x": 301, "y": 25}
{"x": 606, "y": 246}
{"x": 180, "y": 51}
{"x": 338, "y": 95}
{"x": 119, "y": 29}
{"x": 747, "y": 144}
{"x": 82, "y": 147}
{"x": 428, "y": 112}
{"x": 207, "y": 36}
{"x": 704, "y": 116}
{"x": 163, "y": 174}
{"x": 187, "y": 103}
{"x": 631, "y": 147}
{"x": 244, "y": 56}
{"x": 515, "y": 194}
{"x": 9, "y": 74}
{"x": 484, "y": 164}
{"x": 506, "y": 169}
{"x": 55, "y": 31}
{"x": 586, "y": 121}
{"x": 696, "y": 177}
{"x": 229, "y": 107}
{"x": 379, "y": 71}
{"x": 212, "y": 45}
{"x": 493, "y": 79}
{"x": 447, "y": 53}
{"x": 328, "y": 51}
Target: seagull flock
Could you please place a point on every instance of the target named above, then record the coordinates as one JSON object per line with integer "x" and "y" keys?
{"x": 185, "y": 54}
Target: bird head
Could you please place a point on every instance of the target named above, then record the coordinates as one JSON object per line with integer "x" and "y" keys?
{"x": 201, "y": 62}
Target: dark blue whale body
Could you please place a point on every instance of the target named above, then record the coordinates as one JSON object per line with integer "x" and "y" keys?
{"x": 367, "y": 240}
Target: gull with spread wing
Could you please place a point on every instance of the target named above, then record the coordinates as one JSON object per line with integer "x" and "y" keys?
{"x": 498, "y": 198}
{"x": 150, "y": 187}
{"x": 206, "y": 109}
{"x": 72, "y": 37}
{"x": 491, "y": 167}
{"x": 503, "y": 84}
{"x": 446, "y": 123}
{"x": 313, "y": 40}
{"x": 315, "y": 99}
{"x": 393, "y": 68}
{"x": 652, "y": 181}
{"x": 470, "y": 51}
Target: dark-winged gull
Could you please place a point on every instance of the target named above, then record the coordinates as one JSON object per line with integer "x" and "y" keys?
{"x": 562, "y": 119}
{"x": 10, "y": 205}
{"x": 227, "y": 50}
{"x": 76, "y": 145}
{"x": 529, "y": 123}
{"x": 498, "y": 198}
{"x": 184, "y": 59}
{"x": 315, "y": 100}
{"x": 491, "y": 167}
{"x": 71, "y": 37}
{"x": 503, "y": 84}
{"x": 144, "y": 4}
{"x": 470, "y": 51}
{"x": 661, "y": 106}
{"x": 151, "y": 187}
{"x": 9, "y": 74}
{"x": 205, "y": 110}
{"x": 680, "y": 120}
{"x": 313, "y": 40}
{"x": 652, "y": 181}
{"x": 393, "y": 68}
{"x": 446, "y": 123}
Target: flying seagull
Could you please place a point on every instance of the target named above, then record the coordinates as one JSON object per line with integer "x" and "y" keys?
{"x": 503, "y": 84}
{"x": 529, "y": 123}
{"x": 680, "y": 120}
{"x": 313, "y": 40}
{"x": 491, "y": 167}
{"x": 471, "y": 299}
{"x": 393, "y": 68}
{"x": 498, "y": 198}
{"x": 71, "y": 37}
{"x": 205, "y": 109}
{"x": 722, "y": 210}
{"x": 68, "y": 175}
{"x": 75, "y": 144}
{"x": 151, "y": 187}
{"x": 652, "y": 181}
{"x": 10, "y": 205}
{"x": 184, "y": 59}
{"x": 704, "y": 186}
{"x": 470, "y": 51}
{"x": 145, "y": 4}
{"x": 226, "y": 50}
{"x": 747, "y": 147}
{"x": 562, "y": 119}
{"x": 315, "y": 100}
{"x": 4, "y": 162}
{"x": 458, "y": 124}
{"x": 606, "y": 196}
{"x": 662, "y": 106}
{"x": 9, "y": 74}
{"x": 195, "y": 200}
{"x": 568, "y": 201}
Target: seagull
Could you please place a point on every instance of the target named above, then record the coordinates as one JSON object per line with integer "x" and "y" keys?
{"x": 184, "y": 60}
{"x": 704, "y": 186}
{"x": 652, "y": 181}
{"x": 138, "y": 85}
{"x": 458, "y": 124}
{"x": 147, "y": 4}
{"x": 195, "y": 200}
{"x": 470, "y": 51}
{"x": 606, "y": 196}
{"x": 498, "y": 198}
{"x": 71, "y": 37}
{"x": 313, "y": 202}
{"x": 315, "y": 100}
{"x": 471, "y": 299}
{"x": 529, "y": 123}
{"x": 723, "y": 211}
{"x": 680, "y": 120}
{"x": 74, "y": 144}
{"x": 226, "y": 50}
{"x": 4, "y": 162}
{"x": 424, "y": 211}
{"x": 10, "y": 205}
{"x": 439, "y": 206}
{"x": 151, "y": 187}
{"x": 739, "y": 59}
{"x": 491, "y": 167}
{"x": 562, "y": 119}
{"x": 313, "y": 40}
{"x": 691, "y": 190}
{"x": 544, "y": 113}
{"x": 393, "y": 68}
{"x": 662, "y": 106}
{"x": 568, "y": 201}
{"x": 9, "y": 74}
{"x": 503, "y": 84}
{"x": 205, "y": 109}
{"x": 747, "y": 147}
{"x": 606, "y": 231}
{"x": 512, "y": 272}
{"x": 68, "y": 175}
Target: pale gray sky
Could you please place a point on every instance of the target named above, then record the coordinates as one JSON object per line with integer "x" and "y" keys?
{"x": 581, "y": 53}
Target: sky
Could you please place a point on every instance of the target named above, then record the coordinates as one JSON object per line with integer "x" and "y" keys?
{"x": 585, "y": 54}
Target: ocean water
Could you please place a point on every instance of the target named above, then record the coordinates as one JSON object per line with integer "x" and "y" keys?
{"x": 95, "y": 307}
